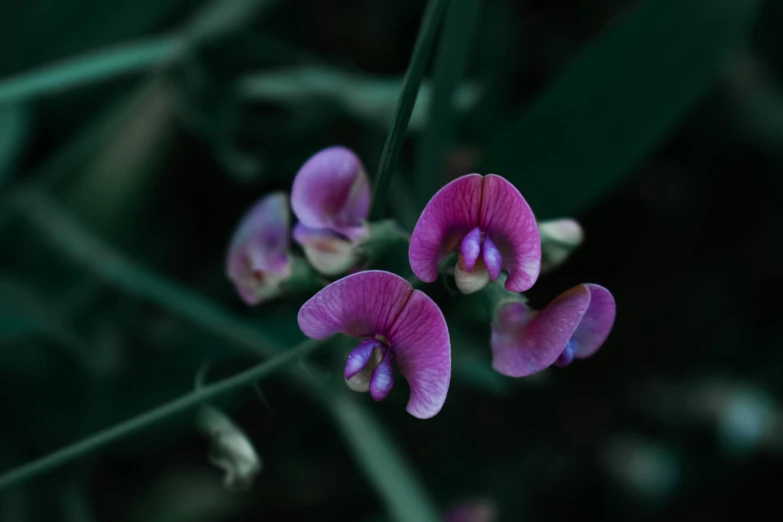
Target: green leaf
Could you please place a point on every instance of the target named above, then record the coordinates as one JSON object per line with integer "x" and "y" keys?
{"x": 13, "y": 130}
{"x": 450, "y": 63}
{"x": 381, "y": 462}
{"x": 410, "y": 87}
{"x": 92, "y": 67}
{"x": 618, "y": 101}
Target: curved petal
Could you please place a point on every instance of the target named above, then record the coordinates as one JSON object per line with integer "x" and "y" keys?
{"x": 420, "y": 342}
{"x": 331, "y": 190}
{"x": 506, "y": 217}
{"x": 596, "y": 323}
{"x": 536, "y": 341}
{"x": 364, "y": 304}
{"x": 448, "y": 217}
{"x": 258, "y": 259}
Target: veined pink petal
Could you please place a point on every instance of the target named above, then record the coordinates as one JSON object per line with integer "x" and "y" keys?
{"x": 498, "y": 210}
{"x": 506, "y": 217}
{"x": 331, "y": 190}
{"x": 596, "y": 323}
{"x": 536, "y": 340}
{"x": 451, "y": 213}
{"x": 420, "y": 341}
{"x": 382, "y": 305}
{"x": 258, "y": 259}
{"x": 364, "y": 304}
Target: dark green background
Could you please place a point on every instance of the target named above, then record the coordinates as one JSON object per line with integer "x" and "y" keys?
{"x": 153, "y": 124}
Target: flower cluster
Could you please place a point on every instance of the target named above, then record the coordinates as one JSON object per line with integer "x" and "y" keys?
{"x": 484, "y": 220}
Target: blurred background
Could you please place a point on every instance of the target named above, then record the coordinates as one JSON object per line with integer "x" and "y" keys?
{"x": 133, "y": 136}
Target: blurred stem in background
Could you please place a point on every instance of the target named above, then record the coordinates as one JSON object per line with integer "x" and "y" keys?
{"x": 213, "y": 20}
{"x": 410, "y": 88}
{"x": 450, "y": 64}
{"x": 385, "y": 468}
{"x": 397, "y": 486}
{"x": 130, "y": 427}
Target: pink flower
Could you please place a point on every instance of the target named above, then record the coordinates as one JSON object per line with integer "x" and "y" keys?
{"x": 492, "y": 226}
{"x": 258, "y": 259}
{"x": 396, "y": 323}
{"x": 574, "y": 325}
{"x": 331, "y": 199}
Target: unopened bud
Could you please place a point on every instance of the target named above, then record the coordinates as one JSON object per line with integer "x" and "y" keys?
{"x": 231, "y": 451}
{"x": 559, "y": 238}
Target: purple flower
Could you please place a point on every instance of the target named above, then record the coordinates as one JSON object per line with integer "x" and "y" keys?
{"x": 396, "y": 323}
{"x": 491, "y": 224}
{"x": 574, "y": 325}
{"x": 258, "y": 260}
{"x": 331, "y": 199}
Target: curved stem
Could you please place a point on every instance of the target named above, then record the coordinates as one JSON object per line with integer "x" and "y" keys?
{"x": 145, "y": 420}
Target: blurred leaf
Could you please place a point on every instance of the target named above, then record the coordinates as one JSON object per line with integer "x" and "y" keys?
{"x": 93, "y": 67}
{"x": 624, "y": 95}
{"x": 450, "y": 63}
{"x": 221, "y": 16}
{"x": 368, "y": 98}
{"x": 23, "y": 312}
{"x": 410, "y": 86}
{"x": 381, "y": 462}
{"x": 212, "y": 21}
{"x": 122, "y": 430}
{"x": 14, "y": 120}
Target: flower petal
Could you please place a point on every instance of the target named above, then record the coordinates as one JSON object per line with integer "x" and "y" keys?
{"x": 258, "y": 259}
{"x": 328, "y": 252}
{"x": 331, "y": 190}
{"x": 364, "y": 304}
{"x": 537, "y": 340}
{"x": 596, "y": 323}
{"x": 470, "y": 249}
{"x": 506, "y": 217}
{"x": 492, "y": 257}
{"x": 448, "y": 217}
{"x": 382, "y": 379}
{"x": 360, "y": 356}
{"x": 420, "y": 342}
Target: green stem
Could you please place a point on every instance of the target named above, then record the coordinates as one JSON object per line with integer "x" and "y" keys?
{"x": 152, "y": 417}
{"x": 404, "y": 498}
{"x": 410, "y": 88}
{"x": 450, "y": 63}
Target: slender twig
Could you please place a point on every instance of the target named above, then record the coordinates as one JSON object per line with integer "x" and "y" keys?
{"x": 450, "y": 64}
{"x": 152, "y": 417}
{"x": 404, "y": 498}
{"x": 410, "y": 88}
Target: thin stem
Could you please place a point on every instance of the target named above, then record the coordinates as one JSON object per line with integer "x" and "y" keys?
{"x": 410, "y": 88}
{"x": 450, "y": 63}
{"x": 152, "y": 417}
{"x": 406, "y": 501}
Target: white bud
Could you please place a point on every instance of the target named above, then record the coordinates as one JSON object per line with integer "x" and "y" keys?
{"x": 231, "y": 451}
